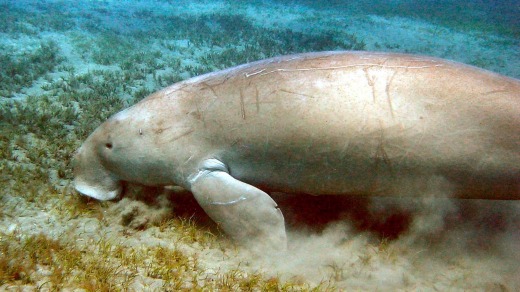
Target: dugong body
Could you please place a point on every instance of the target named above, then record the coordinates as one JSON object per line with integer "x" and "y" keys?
{"x": 354, "y": 123}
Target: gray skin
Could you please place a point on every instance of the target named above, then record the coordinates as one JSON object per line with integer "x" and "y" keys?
{"x": 353, "y": 123}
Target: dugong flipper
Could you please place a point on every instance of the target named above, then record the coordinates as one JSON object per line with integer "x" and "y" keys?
{"x": 330, "y": 123}
{"x": 243, "y": 211}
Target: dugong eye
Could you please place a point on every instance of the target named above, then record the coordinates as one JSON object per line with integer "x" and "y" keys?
{"x": 108, "y": 145}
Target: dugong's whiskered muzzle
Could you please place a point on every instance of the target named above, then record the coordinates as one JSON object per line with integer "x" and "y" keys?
{"x": 97, "y": 192}
{"x": 92, "y": 179}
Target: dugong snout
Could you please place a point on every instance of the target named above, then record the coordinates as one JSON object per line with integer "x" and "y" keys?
{"x": 92, "y": 179}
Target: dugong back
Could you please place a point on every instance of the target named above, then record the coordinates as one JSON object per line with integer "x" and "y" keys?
{"x": 362, "y": 123}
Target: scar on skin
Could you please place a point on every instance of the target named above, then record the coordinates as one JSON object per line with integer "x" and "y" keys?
{"x": 380, "y": 155}
{"x": 254, "y": 73}
{"x": 178, "y": 87}
{"x": 264, "y": 72}
{"x": 370, "y": 82}
{"x": 187, "y": 132}
{"x": 296, "y": 93}
{"x": 199, "y": 114}
{"x": 242, "y": 198}
{"x": 160, "y": 130}
{"x": 210, "y": 88}
{"x": 257, "y": 100}
{"x": 236, "y": 141}
{"x": 495, "y": 91}
{"x": 387, "y": 90}
{"x": 242, "y": 105}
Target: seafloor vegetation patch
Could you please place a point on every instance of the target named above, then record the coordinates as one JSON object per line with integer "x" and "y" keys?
{"x": 218, "y": 40}
{"x": 104, "y": 265}
{"x": 33, "y": 18}
{"x": 22, "y": 70}
{"x": 236, "y": 32}
{"x": 40, "y": 133}
{"x": 483, "y": 16}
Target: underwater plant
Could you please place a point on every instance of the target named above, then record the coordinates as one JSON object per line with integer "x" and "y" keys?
{"x": 22, "y": 70}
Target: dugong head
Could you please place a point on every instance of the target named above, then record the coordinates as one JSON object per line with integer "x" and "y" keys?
{"x": 138, "y": 145}
{"x": 93, "y": 176}
{"x": 116, "y": 151}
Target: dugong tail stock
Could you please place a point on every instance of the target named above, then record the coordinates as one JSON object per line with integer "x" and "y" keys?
{"x": 342, "y": 123}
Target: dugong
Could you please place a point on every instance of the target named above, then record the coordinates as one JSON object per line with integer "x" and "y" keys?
{"x": 343, "y": 123}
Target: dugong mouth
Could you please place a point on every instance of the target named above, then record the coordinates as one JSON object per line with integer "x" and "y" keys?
{"x": 91, "y": 178}
{"x": 97, "y": 193}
